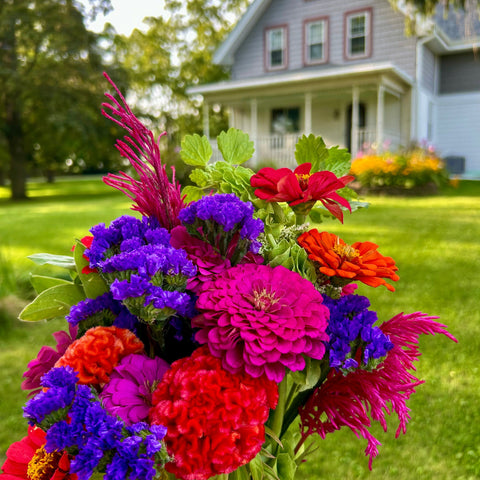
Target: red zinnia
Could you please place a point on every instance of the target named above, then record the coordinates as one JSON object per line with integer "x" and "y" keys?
{"x": 346, "y": 263}
{"x": 301, "y": 189}
{"x": 215, "y": 419}
{"x": 28, "y": 460}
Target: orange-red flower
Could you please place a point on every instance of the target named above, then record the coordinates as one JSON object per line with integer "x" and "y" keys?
{"x": 360, "y": 261}
{"x": 94, "y": 355}
{"x": 28, "y": 460}
{"x": 301, "y": 189}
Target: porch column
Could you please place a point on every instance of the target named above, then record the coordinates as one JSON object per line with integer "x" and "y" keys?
{"x": 254, "y": 126}
{"x": 380, "y": 115}
{"x": 206, "y": 119}
{"x": 308, "y": 114}
{"x": 354, "y": 134}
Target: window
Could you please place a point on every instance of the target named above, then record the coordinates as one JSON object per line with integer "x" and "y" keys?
{"x": 358, "y": 34}
{"x": 284, "y": 121}
{"x": 316, "y": 35}
{"x": 276, "y": 48}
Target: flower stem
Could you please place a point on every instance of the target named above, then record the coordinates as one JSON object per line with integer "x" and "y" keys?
{"x": 279, "y": 412}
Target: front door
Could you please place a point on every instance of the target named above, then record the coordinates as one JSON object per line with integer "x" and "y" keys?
{"x": 362, "y": 122}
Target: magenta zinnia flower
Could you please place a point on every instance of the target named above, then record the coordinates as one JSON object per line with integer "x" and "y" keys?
{"x": 153, "y": 194}
{"x": 351, "y": 400}
{"x": 128, "y": 394}
{"x": 261, "y": 319}
{"x": 46, "y": 359}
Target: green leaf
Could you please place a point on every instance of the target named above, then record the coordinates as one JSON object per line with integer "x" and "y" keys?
{"x": 193, "y": 193}
{"x": 286, "y": 466}
{"x": 200, "y": 177}
{"x": 196, "y": 150}
{"x": 63, "y": 261}
{"x": 41, "y": 283}
{"x": 256, "y": 468}
{"x": 93, "y": 284}
{"x": 235, "y": 146}
{"x": 52, "y": 303}
{"x": 313, "y": 150}
{"x": 338, "y": 161}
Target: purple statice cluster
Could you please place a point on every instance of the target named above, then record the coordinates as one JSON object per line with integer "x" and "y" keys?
{"x": 124, "y": 234}
{"x": 224, "y": 221}
{"x": 103, "y": 310}
{"x": 100, "y": 442}
{"x": 354, "y": 340}
{"x": 144, "y": 272}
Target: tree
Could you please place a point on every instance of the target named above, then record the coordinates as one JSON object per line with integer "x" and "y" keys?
{"x": 50, "y": 65}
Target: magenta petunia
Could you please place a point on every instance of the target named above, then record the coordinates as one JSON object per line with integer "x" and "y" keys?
{"x": 46, "y": 359}
{"x": 261, "y": 319}
{"x": 128, "y": 394}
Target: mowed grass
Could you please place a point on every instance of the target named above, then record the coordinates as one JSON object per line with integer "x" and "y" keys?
{"x": 435, "y": 242}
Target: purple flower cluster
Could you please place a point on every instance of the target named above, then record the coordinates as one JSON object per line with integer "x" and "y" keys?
{"x": 353, "y": 337}
{"x": 100, "y": 442}
{"x": 103, "y": 310}
{"x": 124, "y": 234}
{"x": 219, "y": 218}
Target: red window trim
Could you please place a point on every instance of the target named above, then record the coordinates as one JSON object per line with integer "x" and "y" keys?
{"x": 326, "y": 48}
{"x": 266, "y": 59}
{"x": 369, "y": 39}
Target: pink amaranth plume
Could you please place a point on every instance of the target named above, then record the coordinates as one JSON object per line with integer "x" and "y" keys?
{"x": 351, "y": 400}
{"x": 153, "y": 194}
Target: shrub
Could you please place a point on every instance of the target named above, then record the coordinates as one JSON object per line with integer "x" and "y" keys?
{"x": 405, "y": 169}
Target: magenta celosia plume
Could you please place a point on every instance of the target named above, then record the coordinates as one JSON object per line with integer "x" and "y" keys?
{"x": 355, "y": 399}
{"x": 128, "y": 394}
{"x": 153, "y": 194}
{"x": 261, "y": 319}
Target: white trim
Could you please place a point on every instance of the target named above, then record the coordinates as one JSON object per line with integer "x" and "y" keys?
{"x": 304, "y": 76}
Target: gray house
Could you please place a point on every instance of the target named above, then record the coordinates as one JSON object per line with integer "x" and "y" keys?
{"x": 345, "y": 70}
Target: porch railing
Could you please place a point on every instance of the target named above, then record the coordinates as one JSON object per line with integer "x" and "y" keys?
{"x": 279, "y": 150}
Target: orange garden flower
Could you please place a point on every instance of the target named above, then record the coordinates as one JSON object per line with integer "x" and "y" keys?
{"x": 346, "y": 263}
{"x": 94, "y": 355}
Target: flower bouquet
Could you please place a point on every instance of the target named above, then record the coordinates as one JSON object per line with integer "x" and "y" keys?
{"x": 213, "y": 334}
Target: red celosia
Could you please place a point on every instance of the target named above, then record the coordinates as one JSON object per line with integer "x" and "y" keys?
{"x": 153, "y": 194}
{"x": 345, "y": 263}
{"x": 28, "y": 460}
{"x": 302, "y": 189}
{"x": 351, "y": 400}
{"x": 94, "y": 355}
{"x": 215, "y": 419}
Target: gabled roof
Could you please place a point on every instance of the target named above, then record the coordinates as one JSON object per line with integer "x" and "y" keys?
{"x": 450, "y": 29}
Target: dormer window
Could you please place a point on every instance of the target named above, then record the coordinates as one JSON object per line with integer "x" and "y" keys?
{"x": 358, "y": 34}
{"x": 316, "y": 41}
{"x": 276, "y": 48}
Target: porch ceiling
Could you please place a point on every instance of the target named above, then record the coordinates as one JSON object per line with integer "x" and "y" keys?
{"x": 330, "y": 82}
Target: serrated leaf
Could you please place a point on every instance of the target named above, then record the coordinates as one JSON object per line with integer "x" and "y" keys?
{"x": 52, "y": 303}
{"x": 235, "y": 146}
{"x": 196, "y": 150}
{"x": 338, "y": 161}
{"x": 201, "y": 177}
{"x": 313, "y": 150}
{"x": 192, "y": 193}
{"x": 93, "y": 284}
{"x": 63, "y": 261}
{"x": 41, "y": 283}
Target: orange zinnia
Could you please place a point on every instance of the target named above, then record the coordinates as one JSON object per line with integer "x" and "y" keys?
{"x": 360, "y": 261}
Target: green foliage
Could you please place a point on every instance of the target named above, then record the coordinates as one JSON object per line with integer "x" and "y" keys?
{"x": 235, "y": 146}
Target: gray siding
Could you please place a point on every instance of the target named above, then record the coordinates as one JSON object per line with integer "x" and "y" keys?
{"x": 459, "y": 73}
{"x": 428, "y": 69}
{"x": 389, "y": 42}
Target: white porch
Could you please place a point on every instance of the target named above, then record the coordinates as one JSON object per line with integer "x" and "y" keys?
{"x": 346, "y": 107}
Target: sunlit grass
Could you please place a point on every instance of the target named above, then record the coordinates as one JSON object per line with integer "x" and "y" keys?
{"x": 436, "y": 244}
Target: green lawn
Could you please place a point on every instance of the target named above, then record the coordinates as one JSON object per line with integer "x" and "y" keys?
{"x": 436, "y": 244}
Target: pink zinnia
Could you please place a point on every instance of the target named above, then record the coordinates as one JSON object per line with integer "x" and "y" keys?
{"x": 261, "y": 319}
{"x": 128, "y": 394}
{"x": 353, "y": 399}
{"x": 153, "y": 194}
{"x": 46, "y": 359}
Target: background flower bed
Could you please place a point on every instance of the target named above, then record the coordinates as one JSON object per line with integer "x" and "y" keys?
{"x": 436, "y": 277}
{"x": 415, "y": 170}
